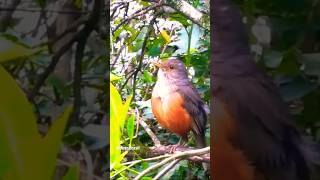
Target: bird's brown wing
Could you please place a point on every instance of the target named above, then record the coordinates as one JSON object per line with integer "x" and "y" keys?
{"x": 194, "y": 105}
{"x": 263, "y": 129}
{"x": 264, "y": 132}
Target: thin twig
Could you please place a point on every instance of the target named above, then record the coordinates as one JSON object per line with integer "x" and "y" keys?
{"x": 173, "y": 157}
{"x": 116, "y": 8}
{"x": 54, "y": 61}
{"x": 148, "y": 130}
{"x": 143, "y": 51}
{"x": 166, "y": 169}
{"x": 70, "y": 29}
{"x": 136, "y": 14}
{"x": 187, "y": 10}
{"x": 147, "y": 159}
{"x": 158, "y": 151}
{"x": 164, "y": 150}
{"x": 118, "y": 172}
{"x": 132, "y": 163}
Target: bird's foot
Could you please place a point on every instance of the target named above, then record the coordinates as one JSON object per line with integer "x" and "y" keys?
{"x": 173, "y": 148}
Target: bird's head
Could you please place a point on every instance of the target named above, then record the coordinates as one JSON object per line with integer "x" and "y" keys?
{"x": 172, "y": 69}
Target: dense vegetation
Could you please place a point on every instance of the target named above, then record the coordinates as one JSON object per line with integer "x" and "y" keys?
{"x": 53, "y": 100}
{"x": 142, "y": 32}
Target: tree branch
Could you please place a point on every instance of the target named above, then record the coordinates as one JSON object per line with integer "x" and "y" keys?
{"x": 85, "y": 32}
{"x": 70, "y": 29}
{"x": 148, "y": 130}
{"x": 161, "y": 150}
{"x": 54, "y": 61}
{"x": 180, "y": 155}
{"x": 188, "y": 11}
{"x": 136, "y": 14}
{"x": 166, "y": 169}
{"x": 143, "y": 51}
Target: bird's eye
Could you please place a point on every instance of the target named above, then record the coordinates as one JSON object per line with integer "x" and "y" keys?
{"x": 171, "y": 67}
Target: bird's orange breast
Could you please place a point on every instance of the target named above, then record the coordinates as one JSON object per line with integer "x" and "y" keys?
{"x": 171, "y": 114}
{"x": 228, "y": 163}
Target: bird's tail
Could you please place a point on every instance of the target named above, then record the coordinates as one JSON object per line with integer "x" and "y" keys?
{"x": 201, "y": 143}
{"x": 200, "y": 140}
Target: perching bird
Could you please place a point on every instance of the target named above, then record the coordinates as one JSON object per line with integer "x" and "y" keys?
{"x": 176, "y": 104}
{"x": 253, "y": 134}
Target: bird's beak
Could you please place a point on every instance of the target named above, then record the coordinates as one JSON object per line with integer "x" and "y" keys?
{"x": 156, "y": 63}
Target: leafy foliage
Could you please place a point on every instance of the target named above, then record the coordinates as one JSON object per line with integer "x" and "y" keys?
{"x": 36, "y": 141}
{"x": 19, "y": 138}
{"x": 289, "y": 52}
{"x": 132, "y": 50}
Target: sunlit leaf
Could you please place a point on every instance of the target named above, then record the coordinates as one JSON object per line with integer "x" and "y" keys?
{"x": 165, "y": 35}
{"x": 125, "y": 112}
{"x": 115, "y": 104}
{"x": 114, "y": 77}
{"x": 148, "y": 77}
{"x": 130, "y": 127}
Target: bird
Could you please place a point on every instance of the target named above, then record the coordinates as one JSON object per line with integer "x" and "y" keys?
{"x": 253, "y": 136}
{"x": 176, "y": 104}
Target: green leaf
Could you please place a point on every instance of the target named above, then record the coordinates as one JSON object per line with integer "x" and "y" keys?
{"x": 115, "y": 102}
{"x": 179, "y": 18}
{"x": 125, "y": 111}
{"x": 73, "y": 173}
{"x": 148, "y": 77}
{"x": 130, "y": 128}
{"x": 146, "y": 178}
{"x": 114, "y": 77}
{"x": 19, "y": 136}
{"x": 289, "y": 64}
{"x": 59, "y": 85}
{"x": 10, "y": 50}
{"x": 118, "y": 114}
{"x": 51, "y": 143}
{"x": 154, "y": 51}
{"x": 21, "y": 143}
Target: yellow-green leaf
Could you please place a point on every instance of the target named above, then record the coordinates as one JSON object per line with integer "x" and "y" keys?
{"x": 51, "y": 143}
{"x": 10, "y": 50}
{"x": 114, "y": 77}
{"x": 118, "y": 114}
{"x": 124, "y": 112}
{"x": 19, "y": 136}
{"x": 165, "y": 35}
{"x": 130, "y": 128}
{"x": 115, "y": 105}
